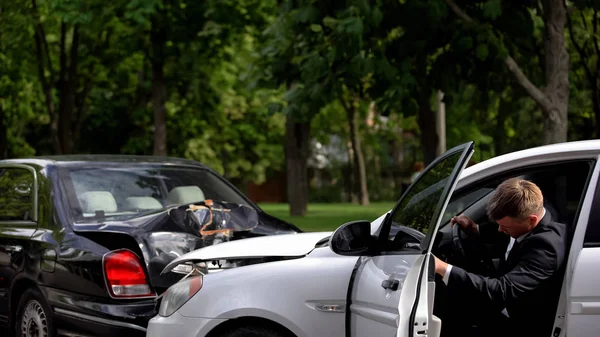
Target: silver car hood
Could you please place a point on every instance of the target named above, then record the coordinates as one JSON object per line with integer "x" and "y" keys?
{"x": 283, "y": 245}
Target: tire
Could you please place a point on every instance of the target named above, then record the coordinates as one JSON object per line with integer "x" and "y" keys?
{"x": 34, "y": 317}
{"x": 252, "y": 332}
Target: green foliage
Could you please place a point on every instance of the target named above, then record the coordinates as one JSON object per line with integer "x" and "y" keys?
{"x": 235, "y": 68}
{"x": 492, "y": 9}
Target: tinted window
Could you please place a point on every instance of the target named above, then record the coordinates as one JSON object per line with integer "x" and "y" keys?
{"x": 418, "y": 208}
{"x": 457, "y": 206}
{"x": 562, "y": 184}
{"x": 16, "y": 188}
{"x": 125, "y": 191}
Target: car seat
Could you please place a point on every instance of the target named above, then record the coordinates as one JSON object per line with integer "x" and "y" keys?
{"x": 93, "y": 201}
{"x": 141, "y": 204}
{"x": 185, "y": 195}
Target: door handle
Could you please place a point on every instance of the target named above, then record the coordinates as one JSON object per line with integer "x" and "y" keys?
{"x": 13, "y": 249}
{"x": 390, "y": 284}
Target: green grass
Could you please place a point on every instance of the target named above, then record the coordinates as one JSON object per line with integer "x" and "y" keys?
{"x": 328, "y": 217}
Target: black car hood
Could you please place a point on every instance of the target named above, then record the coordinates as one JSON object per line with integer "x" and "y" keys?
{"x": 168, "y": 234}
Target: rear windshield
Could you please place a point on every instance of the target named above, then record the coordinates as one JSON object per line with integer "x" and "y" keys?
{"x": 122, "y": 192}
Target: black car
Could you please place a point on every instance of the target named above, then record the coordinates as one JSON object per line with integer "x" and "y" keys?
{"x": 83, "y": 239}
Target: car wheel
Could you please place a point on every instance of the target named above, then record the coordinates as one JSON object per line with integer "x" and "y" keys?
{"x": 253, "y": 332}
{"x": 34, "y": 318}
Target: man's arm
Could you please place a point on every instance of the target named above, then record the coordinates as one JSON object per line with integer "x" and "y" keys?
{"x": 487, "y": 232}
{"x": 541, "y": 259}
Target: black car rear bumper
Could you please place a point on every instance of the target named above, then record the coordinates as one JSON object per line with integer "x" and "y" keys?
{"x": 82, "y": 315}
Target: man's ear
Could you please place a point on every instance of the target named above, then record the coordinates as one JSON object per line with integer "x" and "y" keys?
{"x": 533, "y": 219}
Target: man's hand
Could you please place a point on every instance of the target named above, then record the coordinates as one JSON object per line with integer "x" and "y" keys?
{"x": 440, "y": 266}
{"x": 468, "y": 225}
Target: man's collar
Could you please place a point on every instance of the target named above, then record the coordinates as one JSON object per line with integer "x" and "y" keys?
{"x": 522, "y": 236}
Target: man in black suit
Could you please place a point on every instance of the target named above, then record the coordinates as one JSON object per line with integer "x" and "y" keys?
{"x": 521, "y": 300}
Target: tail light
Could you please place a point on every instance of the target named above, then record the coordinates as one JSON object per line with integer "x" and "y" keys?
{"x": 125, "y": 277}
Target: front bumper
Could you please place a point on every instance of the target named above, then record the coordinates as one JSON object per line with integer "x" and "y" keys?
{"x": 180, "y": 326}
{"x": 83, "y": 315}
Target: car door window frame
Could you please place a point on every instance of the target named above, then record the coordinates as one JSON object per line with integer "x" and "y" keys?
{"x": 592, "y": 232}
{"x": 385, "y": 228}
{"x": 496, "y": 179}
{"x": 34, "y": 196}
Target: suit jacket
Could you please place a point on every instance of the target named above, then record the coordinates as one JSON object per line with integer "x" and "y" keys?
{"x": 528, "y": 284}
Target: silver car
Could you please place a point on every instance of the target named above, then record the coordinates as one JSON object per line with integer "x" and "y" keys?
{"x": 376, "y": 278}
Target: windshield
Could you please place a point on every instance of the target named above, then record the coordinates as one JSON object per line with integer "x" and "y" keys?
{"x": 123, "y": 192}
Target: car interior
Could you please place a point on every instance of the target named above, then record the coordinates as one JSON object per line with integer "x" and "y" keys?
{"x": 105, "y": 201}
{"x": 563, "y": 187}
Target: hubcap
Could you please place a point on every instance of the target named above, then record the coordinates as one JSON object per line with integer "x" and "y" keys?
{"x": 34, "y": 322}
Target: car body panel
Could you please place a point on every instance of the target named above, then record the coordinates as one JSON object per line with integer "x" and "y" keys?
{"x": 65, "y": 261}
{"x": 374, "y": 307}
{"x": 237, "y": 292}
{"x": 177, "y": 325}
{"x": 579, "y": 307}
{"x": 529, "y": 157}
{"x": 202, "y": 302}
{"x": 284, "y": 245}
{"x": 584, "y": 299}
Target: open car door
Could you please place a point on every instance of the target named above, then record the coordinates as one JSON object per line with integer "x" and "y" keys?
{"x": 391, "y": 289}
{"x": 415, "y": 307}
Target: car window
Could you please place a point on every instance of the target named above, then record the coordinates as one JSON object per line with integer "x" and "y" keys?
{"x": 123, "y": 191}
{"x": 417, "y": 208}
{"x": 16, "y": 188}
{"x": 563, "y": 186}
{"x": 461, "y": 203}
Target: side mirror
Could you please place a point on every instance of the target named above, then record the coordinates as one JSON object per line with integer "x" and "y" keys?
{"x": 353, "y": 239}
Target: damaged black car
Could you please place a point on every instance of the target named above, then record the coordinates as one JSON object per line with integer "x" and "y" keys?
{"x": 83, "y": 239}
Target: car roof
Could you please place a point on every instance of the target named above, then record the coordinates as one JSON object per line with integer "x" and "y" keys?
{"x": 536, "y": 155}
{"x": 81, "y": 159}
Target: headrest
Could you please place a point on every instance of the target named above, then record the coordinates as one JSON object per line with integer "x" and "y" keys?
{"x": 141, "y": 203}
{"x": 185, "y": 195}
{"x": 98, "y": 201}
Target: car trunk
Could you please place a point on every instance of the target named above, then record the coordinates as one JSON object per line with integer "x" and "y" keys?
{"x": 160, "y": 237}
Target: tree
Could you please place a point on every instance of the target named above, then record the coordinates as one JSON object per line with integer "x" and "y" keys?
{"x": 333, "y": 57}
{"x": 277, "y": 67}
{"x": 18, "y": 102}
{"x": 85, "y": 30}
{"x": 554, "y": 98}
{"x": 582, "y": 21}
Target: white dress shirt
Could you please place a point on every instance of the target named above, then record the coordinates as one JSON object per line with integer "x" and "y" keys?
{"x": 508, "y": 248}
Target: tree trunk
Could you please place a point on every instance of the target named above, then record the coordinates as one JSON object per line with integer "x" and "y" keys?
{"x": 554, "y": 100}
{"x": 67, "y": 87}
{"x": 428, "y": 136}
{"x": 500, "y": 132}
{"x": 352, "y": 190}
{"x": 347, "y": 178}
{"x": 3, "y": 135}
{"x": 360, "y": 171}
{"x": 556, "y": 71}
{"x": 595, "y": 84}
{"x": 159, "y": 98}
{"x": 297, "y": 151}
{"x": 44, "y": 63}
{"x": 440, "y": 123}
{"x": 159, "y": 89}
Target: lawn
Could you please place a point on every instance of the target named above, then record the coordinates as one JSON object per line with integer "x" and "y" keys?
{"x": 326, "y": 217}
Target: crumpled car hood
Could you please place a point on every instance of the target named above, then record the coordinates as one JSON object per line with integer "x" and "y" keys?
{"x": 282, "y": 245}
